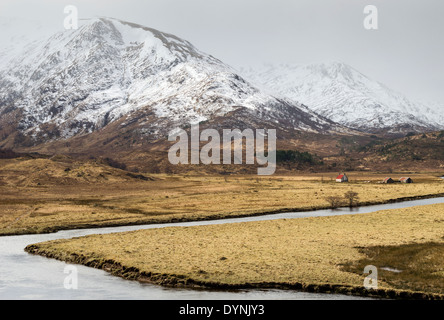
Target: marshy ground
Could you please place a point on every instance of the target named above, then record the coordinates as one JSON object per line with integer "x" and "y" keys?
{"x": 325, "y": 254}
{"x": 44, "y": 195}
{"x": 320, "y": 254}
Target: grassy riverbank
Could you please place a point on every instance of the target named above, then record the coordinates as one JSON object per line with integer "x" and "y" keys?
{"x": 43, "y": 195}
{"x": 324, "y": 254}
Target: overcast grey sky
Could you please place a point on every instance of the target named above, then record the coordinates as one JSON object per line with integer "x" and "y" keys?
{"x": 406, "y": 52}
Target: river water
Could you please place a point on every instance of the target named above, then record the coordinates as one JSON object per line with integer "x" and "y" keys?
{"x": 25, "y": 276}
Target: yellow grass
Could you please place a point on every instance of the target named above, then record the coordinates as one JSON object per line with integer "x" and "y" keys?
{"x": 306, "y": 251}
{"x": 40, "y": 196}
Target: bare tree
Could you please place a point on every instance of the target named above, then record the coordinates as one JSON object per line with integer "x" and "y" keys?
{"x": 352, "y": 198}
{"x": 335, "y": 201}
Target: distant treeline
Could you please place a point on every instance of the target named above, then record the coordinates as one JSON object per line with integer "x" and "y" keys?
{"x": 8, "y": 154}
{"x": 295, "y": 157}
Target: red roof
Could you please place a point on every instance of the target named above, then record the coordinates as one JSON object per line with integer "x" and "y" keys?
{"x": 340, "y": 176}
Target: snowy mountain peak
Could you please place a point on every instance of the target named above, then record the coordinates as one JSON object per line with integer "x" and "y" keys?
{"x": 336, "y": 70}
{"x": 131, "y": 35}
{"x": 344, "y": 95}
{"x": 79, "y": 81}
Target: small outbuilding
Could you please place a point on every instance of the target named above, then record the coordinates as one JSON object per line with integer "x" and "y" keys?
{"x": 406, "y": 180}
{"x": 342, "y": 178}
{"x": 388, "y": 180}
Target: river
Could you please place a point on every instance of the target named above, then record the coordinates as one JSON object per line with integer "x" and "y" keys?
{"x": 24, "y": 276}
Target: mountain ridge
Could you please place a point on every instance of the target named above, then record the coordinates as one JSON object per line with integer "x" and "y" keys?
{"x": 343, "y": 94}
{"x": 79, "y": 81}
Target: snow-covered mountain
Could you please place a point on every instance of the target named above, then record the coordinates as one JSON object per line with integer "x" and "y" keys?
{"x": 346, "y": 96}
{"x": 79, "y": 81}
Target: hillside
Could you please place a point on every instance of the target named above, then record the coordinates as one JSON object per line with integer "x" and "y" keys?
{"x": 63, "y": 171}
{"x": 419, "y": 147}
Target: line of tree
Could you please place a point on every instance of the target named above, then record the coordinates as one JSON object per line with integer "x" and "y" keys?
{"x": 351, "y": 198}
{"x": 7, "y": 154}
{"x": 295, "y": 157}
